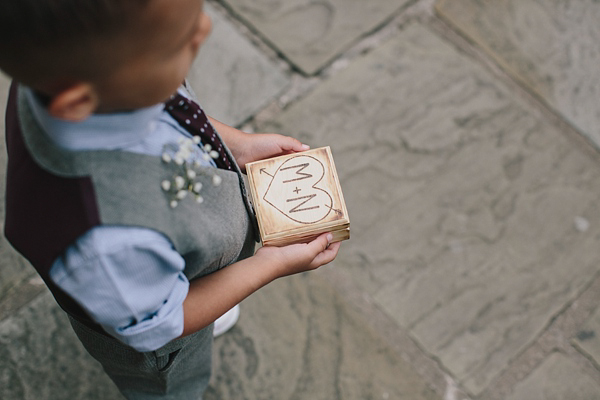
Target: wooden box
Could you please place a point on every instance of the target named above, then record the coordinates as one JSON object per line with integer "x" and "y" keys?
{"x": 297, "y": 197}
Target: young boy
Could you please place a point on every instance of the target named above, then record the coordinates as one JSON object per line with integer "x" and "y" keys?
{"x": 111, "y": 193}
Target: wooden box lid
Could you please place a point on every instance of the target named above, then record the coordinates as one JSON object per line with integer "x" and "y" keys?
{"x": 297, "y": 197}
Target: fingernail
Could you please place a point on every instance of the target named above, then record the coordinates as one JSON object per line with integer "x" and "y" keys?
{"x": 305, "y": 147}
{"x": 329, "y": 238}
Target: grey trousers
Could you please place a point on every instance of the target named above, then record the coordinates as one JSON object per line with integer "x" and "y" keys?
{"x": 180, "y": 370}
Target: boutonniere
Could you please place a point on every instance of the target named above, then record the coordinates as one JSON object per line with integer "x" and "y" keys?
{"x": 186, "y": 155}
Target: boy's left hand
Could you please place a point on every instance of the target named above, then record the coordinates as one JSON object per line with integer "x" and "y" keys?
{"x": 258, "y": 146}
{"x": 249, "y": 147}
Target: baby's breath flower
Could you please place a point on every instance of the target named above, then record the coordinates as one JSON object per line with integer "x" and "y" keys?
{"x": 183, "y": 153}
{"x": 190, "y": 144}
{"x": 187, "y": 155}
{"x": 179, "y": 182}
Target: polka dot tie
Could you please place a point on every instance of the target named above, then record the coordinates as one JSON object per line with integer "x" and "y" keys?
{"x": 193, "y": 119}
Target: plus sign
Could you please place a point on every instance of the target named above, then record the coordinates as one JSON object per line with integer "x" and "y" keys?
{"x": 297, "y": 190}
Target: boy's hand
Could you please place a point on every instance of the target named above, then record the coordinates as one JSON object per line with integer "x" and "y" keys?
{"x": 258, "y": 146}
{"x": 296, "y": 258}
{"x": 249, "y": 147}
{"x": 210, "y": 296}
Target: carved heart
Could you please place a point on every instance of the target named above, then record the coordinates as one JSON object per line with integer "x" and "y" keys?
{"x": 294, "y": 192}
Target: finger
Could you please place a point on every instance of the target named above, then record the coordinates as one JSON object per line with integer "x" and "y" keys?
{"x": 327, "y": 255}
{"x": 288, "y": 143}
{"x": 320, "y": 243}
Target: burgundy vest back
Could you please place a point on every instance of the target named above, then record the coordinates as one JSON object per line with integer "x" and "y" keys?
{"x": 37, "y": 205}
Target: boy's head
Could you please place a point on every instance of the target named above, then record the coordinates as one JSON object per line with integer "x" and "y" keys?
{"x": 89, "y": 56}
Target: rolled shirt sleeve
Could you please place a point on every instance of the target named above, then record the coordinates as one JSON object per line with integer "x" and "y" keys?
{"x": 129, "y": 280}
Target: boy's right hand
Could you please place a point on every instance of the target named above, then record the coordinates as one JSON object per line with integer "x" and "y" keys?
{"x": 212, "y": 295}
{"x": 296, "y": 258}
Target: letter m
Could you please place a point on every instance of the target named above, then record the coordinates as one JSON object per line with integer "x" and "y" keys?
{"x": 303, "y": 175}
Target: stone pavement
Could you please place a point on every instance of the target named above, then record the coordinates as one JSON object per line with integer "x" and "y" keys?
{"x": 465, "y": 134}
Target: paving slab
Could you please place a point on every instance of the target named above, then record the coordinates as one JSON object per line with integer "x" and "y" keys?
{"x": 470, "y": 215}
{"x": 312, "y": 33}
{"x": 588, "y": 338}
{"x": 296, "y": 339}
{"x": 41, "y": 358}
{"x": 558, "y": 378}
{"x": 549, "y": 46}
{"x": 232, "y": 78}
{"x": 13, "y": 267}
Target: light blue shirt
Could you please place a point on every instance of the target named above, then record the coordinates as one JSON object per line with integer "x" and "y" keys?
{"x": 130, "y": 280}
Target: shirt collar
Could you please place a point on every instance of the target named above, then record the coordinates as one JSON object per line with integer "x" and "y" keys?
{"x": 99, "y": 131}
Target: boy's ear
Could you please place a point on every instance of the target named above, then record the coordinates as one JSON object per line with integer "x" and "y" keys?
{"x": 75, "y": 103}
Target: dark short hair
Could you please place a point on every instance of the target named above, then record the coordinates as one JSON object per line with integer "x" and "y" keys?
{"x": 30, "y": 27}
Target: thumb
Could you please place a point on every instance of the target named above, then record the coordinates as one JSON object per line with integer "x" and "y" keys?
{"x": 321, "y": 243}
{"x": 288, "y": 143}
{"x": 327, "y": 250}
